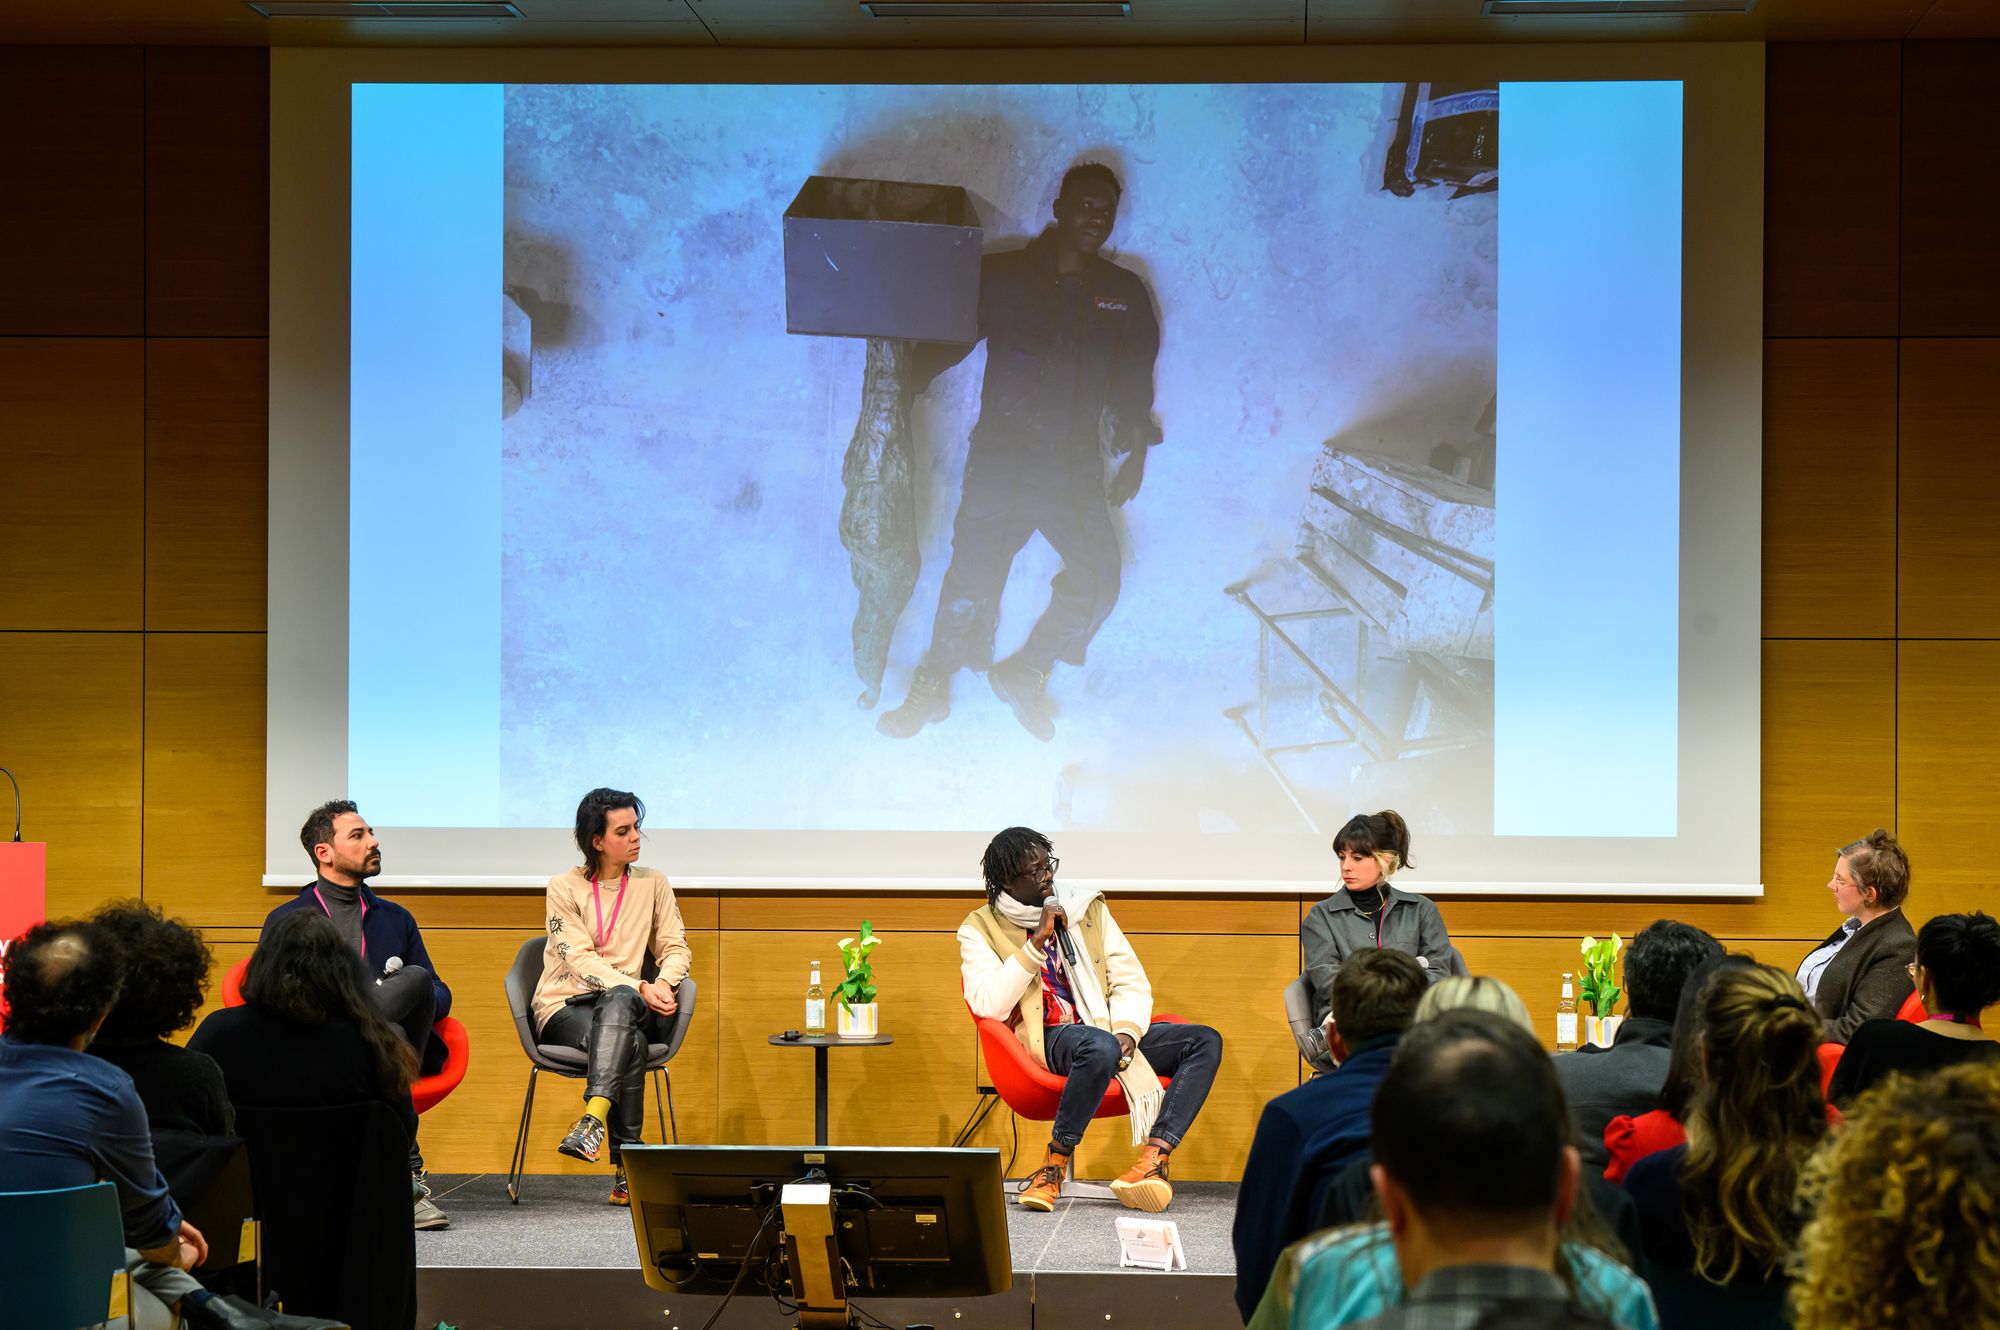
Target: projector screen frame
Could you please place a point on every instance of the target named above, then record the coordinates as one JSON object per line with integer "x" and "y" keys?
{"x": 1721, "y": 355}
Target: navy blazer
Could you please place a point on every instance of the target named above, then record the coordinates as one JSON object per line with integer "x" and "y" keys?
{"x": 387, "y": 929}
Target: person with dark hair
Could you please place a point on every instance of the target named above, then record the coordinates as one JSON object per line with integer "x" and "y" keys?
{"x": 1860, "y": 973}
{"x": 1367, "y": 912}
{"x": 68, "y": 1119}
{"x": 1306, "y": 1135}
{"x": 1957, "y": 973}
{"x": 1630, "y": 1138}
{"x": 1625, "y": 1079}
{"x": 1061, "y": 974}
{"x": 1718, "y": 1216}
{"x": 1071, "y": 338}
{"x": 166, "y": 975}
{"x": 609, "y": 971}
{"x": 1475, "y": 1171}
{"x": 406, "y": 989}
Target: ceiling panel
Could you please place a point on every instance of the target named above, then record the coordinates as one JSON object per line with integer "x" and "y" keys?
{"x": 842, "y": 23}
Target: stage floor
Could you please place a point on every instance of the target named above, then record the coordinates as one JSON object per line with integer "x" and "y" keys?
{"x": 565, "y": 1260}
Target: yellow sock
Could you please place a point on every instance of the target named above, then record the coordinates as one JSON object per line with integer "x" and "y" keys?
{"x": 599, "y": 1107}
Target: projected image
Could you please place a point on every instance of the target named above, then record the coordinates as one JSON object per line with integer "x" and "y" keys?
{"x": 1114, "y": 458}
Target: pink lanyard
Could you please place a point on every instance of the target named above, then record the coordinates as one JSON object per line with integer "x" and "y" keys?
{"x": 364, "y": 917}
{"x": 597, "y": 903}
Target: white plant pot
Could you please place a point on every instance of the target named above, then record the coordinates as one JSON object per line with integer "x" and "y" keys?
{"x": 858, "y": 1021}
{"x": 1601, "y": 1030}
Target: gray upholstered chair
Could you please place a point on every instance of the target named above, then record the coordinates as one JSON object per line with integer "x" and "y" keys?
{"x": 522, "y": 978}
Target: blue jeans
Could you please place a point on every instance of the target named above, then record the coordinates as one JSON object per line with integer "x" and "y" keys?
{"x": 1188, "y": 1055}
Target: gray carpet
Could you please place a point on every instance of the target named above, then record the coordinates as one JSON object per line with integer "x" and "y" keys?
{"x": 564, "y": 1221}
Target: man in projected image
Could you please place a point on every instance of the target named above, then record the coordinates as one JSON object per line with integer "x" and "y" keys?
{"x": 1071, "y": 338}
{"x": 407, "y": 992}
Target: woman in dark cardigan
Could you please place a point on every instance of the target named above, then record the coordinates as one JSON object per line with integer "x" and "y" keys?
{"x": 1861, "y": 972}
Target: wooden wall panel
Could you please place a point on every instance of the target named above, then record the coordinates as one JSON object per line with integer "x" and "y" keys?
{"x": 1950, "y": 191}
{"x": 1948, "y": 550}
{"x": 1830, "y": 164}
{"x": 72, "y": 505}
{"x": 72, "y": 227}
{"x": 1829, "y": 770}
{"x": 70, "y": 729}
{"x": 1829, "y": 487}
{"x": 207, "y": 456}
{"x": 208, "y": 168}
{"x": 204, "y": 756}
{"x": 1948, "y": 769}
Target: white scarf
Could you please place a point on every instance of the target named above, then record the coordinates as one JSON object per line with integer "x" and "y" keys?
{"x": 1140, "y": 1082}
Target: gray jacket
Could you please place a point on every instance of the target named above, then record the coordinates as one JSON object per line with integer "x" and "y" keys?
{"x": 1334, "y": 930}
{"x": 1622, "y": 1080}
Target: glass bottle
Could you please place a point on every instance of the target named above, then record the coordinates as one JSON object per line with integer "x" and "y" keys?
{"x": 1566, "y": 1017}
{"x": 816, "y": 1006}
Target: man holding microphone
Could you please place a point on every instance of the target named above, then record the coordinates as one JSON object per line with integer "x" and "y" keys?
{"x": 1060, "y": 972}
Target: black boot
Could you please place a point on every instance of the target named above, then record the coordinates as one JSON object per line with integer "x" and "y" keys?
{"x": 929, "y": 701}
{"x": 1025, "y": 691}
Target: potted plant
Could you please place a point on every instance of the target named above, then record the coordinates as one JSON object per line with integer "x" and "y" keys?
{"x": 856, "y": 993}
{"x": 1600, "y": 988}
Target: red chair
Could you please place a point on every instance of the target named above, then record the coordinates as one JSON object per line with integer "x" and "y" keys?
{"x": 1913, "y": 1010}
{"x": 428, "y": 1091}
{"x": 1032, "y": 1092}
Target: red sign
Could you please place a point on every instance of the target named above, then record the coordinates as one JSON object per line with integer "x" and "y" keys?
{"x": 24, "y": 877}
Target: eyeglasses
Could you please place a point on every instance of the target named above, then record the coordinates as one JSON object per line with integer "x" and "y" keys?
{"x": 1035, "y": 870}
{"x": 1911, "y": 968}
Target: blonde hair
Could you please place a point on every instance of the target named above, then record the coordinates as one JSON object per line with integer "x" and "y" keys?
{"x": 1753, "y": 1122}
{"x": 1476, "y": 993}
{"x": 1906, "y": 1229}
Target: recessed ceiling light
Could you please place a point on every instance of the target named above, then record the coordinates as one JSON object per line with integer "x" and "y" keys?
{"x": 1023, "y": 9}
{"x": 434, "y": 11}
{"x": 1617, "y": 8}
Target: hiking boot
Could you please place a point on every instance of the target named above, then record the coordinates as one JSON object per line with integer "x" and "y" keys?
{"x": 428, "y": 1216}
{"x": 620, "y": 1193}
{"x": 928, "y": 702}
{"x": 1144, "y": 1186}
{"x": 1025, "y": 691}
{"x": 1045, "y": 1183}
{"x": 585, "y": 1140}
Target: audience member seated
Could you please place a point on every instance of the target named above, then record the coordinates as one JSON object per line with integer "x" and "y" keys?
{"x": 1718, "y": 1215}
{"x": 166, "y": 967}
{"x": 1084, "y": 1010}
{"x": 68, "y": 1119}
{"x": 1602, "y": 1218}
{"x": 1957, "y": 973}
{"x": 1308, "y": 1134}
{"x": 1906, "y": 1209}
{"x": 1630, "y": 1138}
{"x": 406, "y": 990}
{"x": 1367, "y": 912}
{"x": 1603, "y": 1083}
{"x": 594, "y": 995}
{"x": 1476, "y": 1178}
{"x": 307, "y": 1035}
{"x": 1859, "y": 973}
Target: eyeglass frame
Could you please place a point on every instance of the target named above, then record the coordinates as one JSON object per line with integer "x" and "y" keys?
{"x": 1052, "y": 862}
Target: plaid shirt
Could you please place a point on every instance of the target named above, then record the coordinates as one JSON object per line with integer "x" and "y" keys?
{"x": 1455, "y": 1297}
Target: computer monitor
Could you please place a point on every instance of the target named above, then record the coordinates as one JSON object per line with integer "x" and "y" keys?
{"x": 905, "y": 1223}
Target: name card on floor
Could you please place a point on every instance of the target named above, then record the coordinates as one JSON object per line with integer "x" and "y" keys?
{"x": 1154, "y": 1244}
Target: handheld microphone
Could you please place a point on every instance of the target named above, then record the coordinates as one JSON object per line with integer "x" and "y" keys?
{"x": 1062, "y": 936}
{"x": 17, "y": 802}
{"x": 389, "y": 967}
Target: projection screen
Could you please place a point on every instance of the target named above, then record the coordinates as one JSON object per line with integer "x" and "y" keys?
{"x": 776, "y": 448}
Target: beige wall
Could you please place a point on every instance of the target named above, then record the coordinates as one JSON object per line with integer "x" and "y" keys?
{"x": 133, "y": 406}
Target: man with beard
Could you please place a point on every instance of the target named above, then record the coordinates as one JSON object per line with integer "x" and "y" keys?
{"x": 410, "y": 996}
{"x": 1071, "y": 338}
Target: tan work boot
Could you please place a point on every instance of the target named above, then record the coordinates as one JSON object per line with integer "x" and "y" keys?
{"x": 1045, "y": 1183}
{"x": 1144, "y": 1186}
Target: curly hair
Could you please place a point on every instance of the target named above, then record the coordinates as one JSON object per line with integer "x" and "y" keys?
{"x": 1756, "y": 1118}
{"x": 60, "y": 978}
{"x": 166, "y": 973}
{"x": 304, "y": 971}
{"x": 1906, "y": 1229}
{"x": 1007, "y": 854}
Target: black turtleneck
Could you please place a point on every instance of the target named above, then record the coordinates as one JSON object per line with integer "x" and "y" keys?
{"x": 1369, "y": 901}
{"x": 343, "y": 906}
